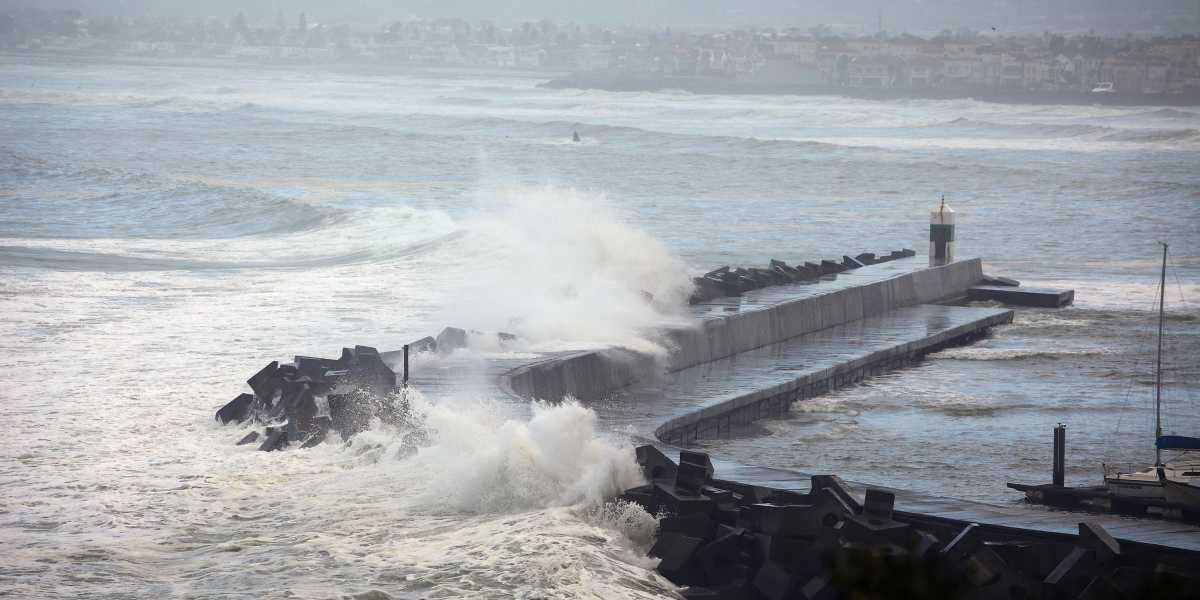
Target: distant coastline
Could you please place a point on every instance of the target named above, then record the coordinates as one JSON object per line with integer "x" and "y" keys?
{"x": 632, "y": 82}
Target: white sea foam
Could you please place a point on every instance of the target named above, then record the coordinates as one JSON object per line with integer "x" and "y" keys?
{"x": 484, "y": 461}
{"x": 562, "y": 268}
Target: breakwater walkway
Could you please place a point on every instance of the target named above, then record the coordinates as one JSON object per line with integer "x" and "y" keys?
{"x": 719, "y": 397}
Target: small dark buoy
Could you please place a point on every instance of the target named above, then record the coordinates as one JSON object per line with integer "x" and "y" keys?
{"x": 575, "y": 136}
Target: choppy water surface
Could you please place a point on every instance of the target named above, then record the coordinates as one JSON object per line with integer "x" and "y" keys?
{"x": 166, "y": 230}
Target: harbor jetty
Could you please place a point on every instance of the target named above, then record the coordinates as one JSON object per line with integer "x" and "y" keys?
{"x": 733, "y": 539}
{"x": 763, "y": 339}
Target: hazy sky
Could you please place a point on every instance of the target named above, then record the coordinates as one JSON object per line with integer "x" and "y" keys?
{"x": 898, "y": 15}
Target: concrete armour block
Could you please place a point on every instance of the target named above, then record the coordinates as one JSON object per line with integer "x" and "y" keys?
{"x": 249, "y": 438}
{"x": 691, "y": 476}
{"x": 276, "y": 440}
{"x": 642, "y": 496}
{"x": 265, "y": 382}
{"x": 714, "y": 593}
{"x": 679, "y": 501}
{"x": 720, "y": 496}
{"x": 236, "y": 410}
{"x": 819, "y": 588}
{"x": 698, "y": 525}
{"x": 879, "y": 503}
{"x": 451, "y": 339}
{"x": 774, "y": 582}
{"x": 719, "y": 557}
{"x": 655, "y": 464}
{"x": 787, "y": 520}
{"x": 836, "y": 487}
{"x": 984, "y": 567}
{"x": 829, "y": 267}
{"x": 425, "y": 344}
{"x": 922, "y": 544}
{"x": 700, "y": 459}
{"x": 744, "y": 494}
{"x": 868, "y": 529}
{"x": 963, "y": 544}
{"x": 1095, "y": 537}
{"x": 806, "y": 272}
{"x": 1073, "y": 574}
{"x": 676, "y": 552}
{"x": 1101, "y": 588}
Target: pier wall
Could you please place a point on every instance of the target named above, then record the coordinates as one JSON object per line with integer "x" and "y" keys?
{"x": 726, "y": 336}
{"x": 721, "y": 419}
{"x": 595, "y": 374}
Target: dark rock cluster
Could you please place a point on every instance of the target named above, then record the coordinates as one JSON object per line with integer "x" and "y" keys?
{"x": 299, "y": 403}
{"x": 734, "y": 282}
{"x": 728, "y": 540}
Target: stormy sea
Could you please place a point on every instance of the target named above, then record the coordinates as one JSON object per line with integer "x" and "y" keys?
{"x": 167, "y": 229}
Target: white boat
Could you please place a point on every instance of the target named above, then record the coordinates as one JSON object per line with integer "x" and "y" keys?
{"x": 1181, "y": 488}
{"x": 1175, "y": 483}
{"x": 1105, "y": 87}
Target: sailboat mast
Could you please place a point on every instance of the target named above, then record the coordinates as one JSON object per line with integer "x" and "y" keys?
{"x": 1162, "y": 296}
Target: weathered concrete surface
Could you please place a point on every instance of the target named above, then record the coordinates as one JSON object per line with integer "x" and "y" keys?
{"x": 1167, "y": 534}
{"x": 708, "y": 399}
{"x": 1037, "y": 297}
{"x": 587, "y": 375}
{"x": 761, "y": 317}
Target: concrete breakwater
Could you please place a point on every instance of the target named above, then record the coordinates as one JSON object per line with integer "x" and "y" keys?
{"x": 735, "y": 539}
{"x": 300, "y": 402}
{"x": 730, "y": 325}
{"x": 728, "y": 394}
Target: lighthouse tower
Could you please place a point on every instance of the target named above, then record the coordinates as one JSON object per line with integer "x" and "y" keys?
{"x": 941, "y": 235}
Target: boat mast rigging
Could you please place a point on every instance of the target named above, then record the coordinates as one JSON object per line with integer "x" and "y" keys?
{"x": 1162, "y": 296}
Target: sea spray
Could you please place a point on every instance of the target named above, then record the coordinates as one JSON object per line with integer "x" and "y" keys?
{"x": 479, "y": 459}
{"x": 561, "y": 268}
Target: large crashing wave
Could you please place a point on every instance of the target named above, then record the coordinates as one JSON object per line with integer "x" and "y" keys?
{"x": 559, "y": 265}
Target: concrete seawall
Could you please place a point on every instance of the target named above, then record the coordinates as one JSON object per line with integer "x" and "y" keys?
{"x": 832, "y": 358}
{"x": 725, "y": 336}
{"x": 725, "y": 329}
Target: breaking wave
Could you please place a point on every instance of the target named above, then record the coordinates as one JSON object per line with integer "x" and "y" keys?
{"x": 1072, "y": 130}
{"x": 1169, "y": 113}
{"x": 1152, "y": 135}
{"x": 555, "y": 459}
{"x": 168, "y": 210}
{"x": 127, "y": 101}
{"x": 481, "y": 459}
{"x": 591, "y": 279}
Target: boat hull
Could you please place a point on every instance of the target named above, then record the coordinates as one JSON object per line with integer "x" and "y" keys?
{"x": 1131, "y": 487}
{"x": 1185, "y": 496}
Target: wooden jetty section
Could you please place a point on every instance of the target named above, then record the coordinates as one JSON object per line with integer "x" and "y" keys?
{"x": 1021, "y": 296}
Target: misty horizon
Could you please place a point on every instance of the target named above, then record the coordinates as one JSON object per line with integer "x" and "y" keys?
{"x": 865, "y": 16}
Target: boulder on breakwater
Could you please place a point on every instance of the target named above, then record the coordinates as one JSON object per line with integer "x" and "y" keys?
{"x": 726, "y": 281}
{"x": 728, "y": 540}
{"x": 302, "y": 401}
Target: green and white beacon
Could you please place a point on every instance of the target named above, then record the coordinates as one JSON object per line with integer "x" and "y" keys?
{"x": 941, "y": 235}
